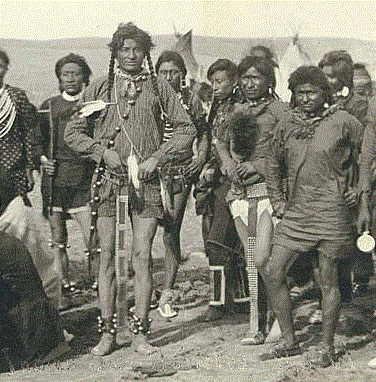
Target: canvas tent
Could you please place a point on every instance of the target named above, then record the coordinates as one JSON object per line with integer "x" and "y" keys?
{"x": 183, "y": 45}
{"x": 292, "y": 58}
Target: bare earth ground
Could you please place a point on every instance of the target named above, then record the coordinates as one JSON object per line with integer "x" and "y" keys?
{"x": 190, "y": 351}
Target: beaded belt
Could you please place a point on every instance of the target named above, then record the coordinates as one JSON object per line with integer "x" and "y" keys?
{"x": 174, "y": 172}
{"x": 113, "y": 177}
{"x": 257, "y": 190}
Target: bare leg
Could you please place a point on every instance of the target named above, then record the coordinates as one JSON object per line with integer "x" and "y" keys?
{"x": 276, "y": 286}
{"x": 143, "y": 234}
{"x": 171, "y": 237}
{"x": 59, "y": 238}
{"x": 331, "y": 299}
{"x": 106, "y": 284}
{"x": 263, "y": 244}
{"x": 83, "y": 220}
{"x": 242, "y": 230}
{"x": 262, "y": 252}
{"x": 106, "y": 232}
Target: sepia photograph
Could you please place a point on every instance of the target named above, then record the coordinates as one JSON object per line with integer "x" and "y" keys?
{"x": 187, "y": 191}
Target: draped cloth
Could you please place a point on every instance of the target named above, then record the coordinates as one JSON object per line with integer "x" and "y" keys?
{"x": 29, "y": 326}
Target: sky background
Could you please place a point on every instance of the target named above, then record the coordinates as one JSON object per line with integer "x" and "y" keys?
{"x": 45, "y": 19}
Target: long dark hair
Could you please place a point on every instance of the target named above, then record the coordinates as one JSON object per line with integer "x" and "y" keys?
{"x": 143, "y": 39}
{"x": 4, "y": 57}
{"x": 263, "y": 65}
{"x": 171, "y": 56}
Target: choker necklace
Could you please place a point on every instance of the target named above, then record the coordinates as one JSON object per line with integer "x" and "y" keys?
{"x": 130, "y": 87}
{"x": 71, "y": 98}
{"x": 309, "y": 123}
{"x": 259, "y": 101}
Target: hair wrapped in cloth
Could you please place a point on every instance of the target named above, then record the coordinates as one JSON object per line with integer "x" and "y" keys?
{"x": 75, "y": 59}
{"x": 342, "y": 65}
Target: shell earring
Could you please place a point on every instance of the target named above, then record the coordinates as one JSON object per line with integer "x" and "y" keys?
{"x": 345, "y": 91}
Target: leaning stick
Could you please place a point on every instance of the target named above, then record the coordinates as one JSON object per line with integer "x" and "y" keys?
{"x": 51, "y": 152}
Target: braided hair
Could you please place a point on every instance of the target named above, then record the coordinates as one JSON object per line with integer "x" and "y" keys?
{"x": 123, "y": 32}
{"x": 111, "y": 75}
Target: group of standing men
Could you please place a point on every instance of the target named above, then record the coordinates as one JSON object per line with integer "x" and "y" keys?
{"x": 272, "y": 181}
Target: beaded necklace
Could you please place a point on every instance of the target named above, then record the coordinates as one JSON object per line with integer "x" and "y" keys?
{"x": 7, "y": 112}
{"x": 309, "y": 122}
{"x": 259, "y": 101}
{"x": 131, "y": 92}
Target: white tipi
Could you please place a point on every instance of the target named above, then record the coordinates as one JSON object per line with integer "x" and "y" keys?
{"x": 293, "y": 57}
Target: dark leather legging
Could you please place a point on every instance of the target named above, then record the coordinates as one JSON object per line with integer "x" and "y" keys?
{"x": 222, "y": 239}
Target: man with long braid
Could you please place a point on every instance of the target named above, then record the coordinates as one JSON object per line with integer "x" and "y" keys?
{"x": 178, "y": 175}
{"x": 129, "y": 127}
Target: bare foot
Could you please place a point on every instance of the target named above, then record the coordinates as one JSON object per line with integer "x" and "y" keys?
{"x": 105, "y": 345}
{"x": 140, "y": 345}
{"x": 123, "y": 338}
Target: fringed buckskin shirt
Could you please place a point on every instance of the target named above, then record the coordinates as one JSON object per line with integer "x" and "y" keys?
{"x": 321, "y": 159}
{"x": 143, "y": 125}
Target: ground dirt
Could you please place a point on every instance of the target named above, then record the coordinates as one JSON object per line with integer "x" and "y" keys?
{"x": 191, "y": 351}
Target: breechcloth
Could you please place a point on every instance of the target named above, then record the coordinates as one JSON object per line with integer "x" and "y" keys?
{"x": 223, "y": 241}
{"x": 250, "y": 211}
{"x": 122, "y": 257}
{"x": 224, "y": 250}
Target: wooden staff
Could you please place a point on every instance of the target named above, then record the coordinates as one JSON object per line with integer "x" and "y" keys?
{"x": 51, "y": 150}
{"x": 51, "y": 157}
